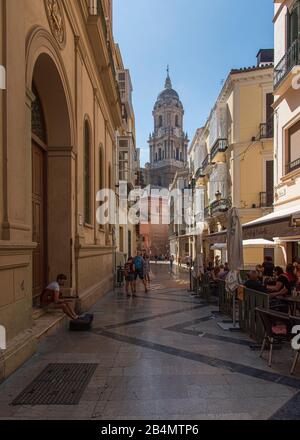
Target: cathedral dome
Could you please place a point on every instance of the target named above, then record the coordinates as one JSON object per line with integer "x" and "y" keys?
{"x": 168, "y": 94}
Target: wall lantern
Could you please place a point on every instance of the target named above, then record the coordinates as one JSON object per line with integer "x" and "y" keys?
{"x": 218, "y": 196}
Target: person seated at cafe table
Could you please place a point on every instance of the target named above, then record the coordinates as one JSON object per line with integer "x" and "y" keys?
{"x": 253, "y": 282}
{"x": 268, "y": 267}
{"x": 291, "y": 274}
{"x": 283, "y": 285}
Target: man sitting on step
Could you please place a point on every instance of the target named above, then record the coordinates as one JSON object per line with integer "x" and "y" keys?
{"x": 52, "y": 297}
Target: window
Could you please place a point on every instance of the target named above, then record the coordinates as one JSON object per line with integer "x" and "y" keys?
{"x": 270, "y": 182}
{"x": 269, "y": 115}
{"x": 122, "y": 84}
{"x": 160, "y": 121}
{"x": 293, "y": 148}
{"x": 123, "y": 165}
{"x": 159, "y": 154}
{"x": 177, "y": 153}
{"x": 176, "y": 121}
{"x": 293, "y": 24}
{"x": 86, "y": 174}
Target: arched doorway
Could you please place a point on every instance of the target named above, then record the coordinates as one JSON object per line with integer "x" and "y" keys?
{"x": 52, "y": 171}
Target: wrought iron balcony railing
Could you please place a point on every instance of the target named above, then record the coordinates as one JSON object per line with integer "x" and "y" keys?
{"x": 199, "y": 173}
{"x": 267, "y": 130}
{"x": 286, "y": 64}
{"x": 220, "y": 146}
{"x": 222, "y": 205}
{"x": 206, "y": 162}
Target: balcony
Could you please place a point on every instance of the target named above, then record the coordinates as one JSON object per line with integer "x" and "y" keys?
{"x": 284, "y": 68}
{"x": 205, "y": 163}
{"x": 220, "y": 206}
{"x": 293, "y": 166}
{"x": 220, "y": 146}
{"x": 266, "y": 199}
{"x": 267, "y": 130}
{"x": 199, "y": 173}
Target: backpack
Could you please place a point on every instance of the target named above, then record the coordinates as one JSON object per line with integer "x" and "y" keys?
{"x": 138, "y": 263}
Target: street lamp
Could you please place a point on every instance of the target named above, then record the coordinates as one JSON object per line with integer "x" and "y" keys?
{"x": 218, "y": 196}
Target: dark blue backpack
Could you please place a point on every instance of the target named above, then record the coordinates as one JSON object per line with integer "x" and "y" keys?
{"x": 138, "y": 262}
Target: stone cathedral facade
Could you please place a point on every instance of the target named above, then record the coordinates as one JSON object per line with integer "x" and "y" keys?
{"x": 168, "y": 143}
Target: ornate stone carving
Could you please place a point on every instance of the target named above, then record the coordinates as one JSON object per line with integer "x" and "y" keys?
{"x": 56, "y": 20}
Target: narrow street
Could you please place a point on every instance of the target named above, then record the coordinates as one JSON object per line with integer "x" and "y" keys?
{"x": 160, "y": 356}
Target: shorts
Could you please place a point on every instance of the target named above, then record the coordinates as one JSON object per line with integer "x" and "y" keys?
{"x": 130, "y": 278}
{"x": 140, "y": 274}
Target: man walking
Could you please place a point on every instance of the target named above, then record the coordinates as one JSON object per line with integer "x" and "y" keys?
{"x": 139, "y": 271}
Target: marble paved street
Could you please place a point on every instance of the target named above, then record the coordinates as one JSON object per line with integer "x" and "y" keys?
{"x": 161, "y": 356}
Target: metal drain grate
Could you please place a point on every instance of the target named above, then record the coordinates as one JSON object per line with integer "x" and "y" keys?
{"x": 58, "y": 384}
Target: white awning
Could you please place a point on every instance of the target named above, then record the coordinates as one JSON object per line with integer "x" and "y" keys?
{"x": 247, "y": 243}
{"x": 276, "y": 215}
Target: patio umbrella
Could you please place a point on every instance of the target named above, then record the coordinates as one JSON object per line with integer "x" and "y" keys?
{"x": 235, "y": 241}
{"x": 235, "y": 260}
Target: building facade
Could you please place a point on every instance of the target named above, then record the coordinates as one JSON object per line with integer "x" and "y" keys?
{"x": 284, "y": 224}
{"x": 168, "y": 143}
{"x": 235, "y": 145}
{"x": 58, "y": 121}
{"x": 179, "y": 231}
{"x": 128, "y": 165}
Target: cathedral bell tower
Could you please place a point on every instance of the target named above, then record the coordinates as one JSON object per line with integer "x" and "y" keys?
{"x": 168, "y": 142}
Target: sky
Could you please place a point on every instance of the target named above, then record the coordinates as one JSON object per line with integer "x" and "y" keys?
{"x": 201, "y": 40}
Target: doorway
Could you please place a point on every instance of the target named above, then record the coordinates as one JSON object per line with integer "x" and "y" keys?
{"x": 39, "y": 226}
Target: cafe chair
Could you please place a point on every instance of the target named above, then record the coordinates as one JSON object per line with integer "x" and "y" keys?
{"x": 277, "y": 327}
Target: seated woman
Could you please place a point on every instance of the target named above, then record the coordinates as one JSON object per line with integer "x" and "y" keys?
{"x": 51, "y": 297}
{"x": 281, "y": 288}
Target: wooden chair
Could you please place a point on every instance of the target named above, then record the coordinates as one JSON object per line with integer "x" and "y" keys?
{"x": 295, "y": 321}
{"x": 270, "y": 320}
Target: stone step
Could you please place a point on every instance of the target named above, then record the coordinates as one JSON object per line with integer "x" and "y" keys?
{"x": 47, "y": 323}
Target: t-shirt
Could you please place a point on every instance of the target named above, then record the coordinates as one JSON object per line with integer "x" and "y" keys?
{"x": 255, "y": 285}
{"x": 48, "y": 295}
{"x": 268, "y": 268}
{"x": 284, "y": 280}
{"x": 138, "y": 262}
{"x": 54, "y": 286}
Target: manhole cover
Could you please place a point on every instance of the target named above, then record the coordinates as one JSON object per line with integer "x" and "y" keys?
{"x": 58, "y": 384}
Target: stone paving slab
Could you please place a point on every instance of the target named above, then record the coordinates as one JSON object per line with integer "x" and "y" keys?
{"x": 152, "y": 364}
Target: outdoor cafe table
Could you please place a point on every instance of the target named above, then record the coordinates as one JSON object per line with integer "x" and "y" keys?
{"x": 293, "y": 302}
